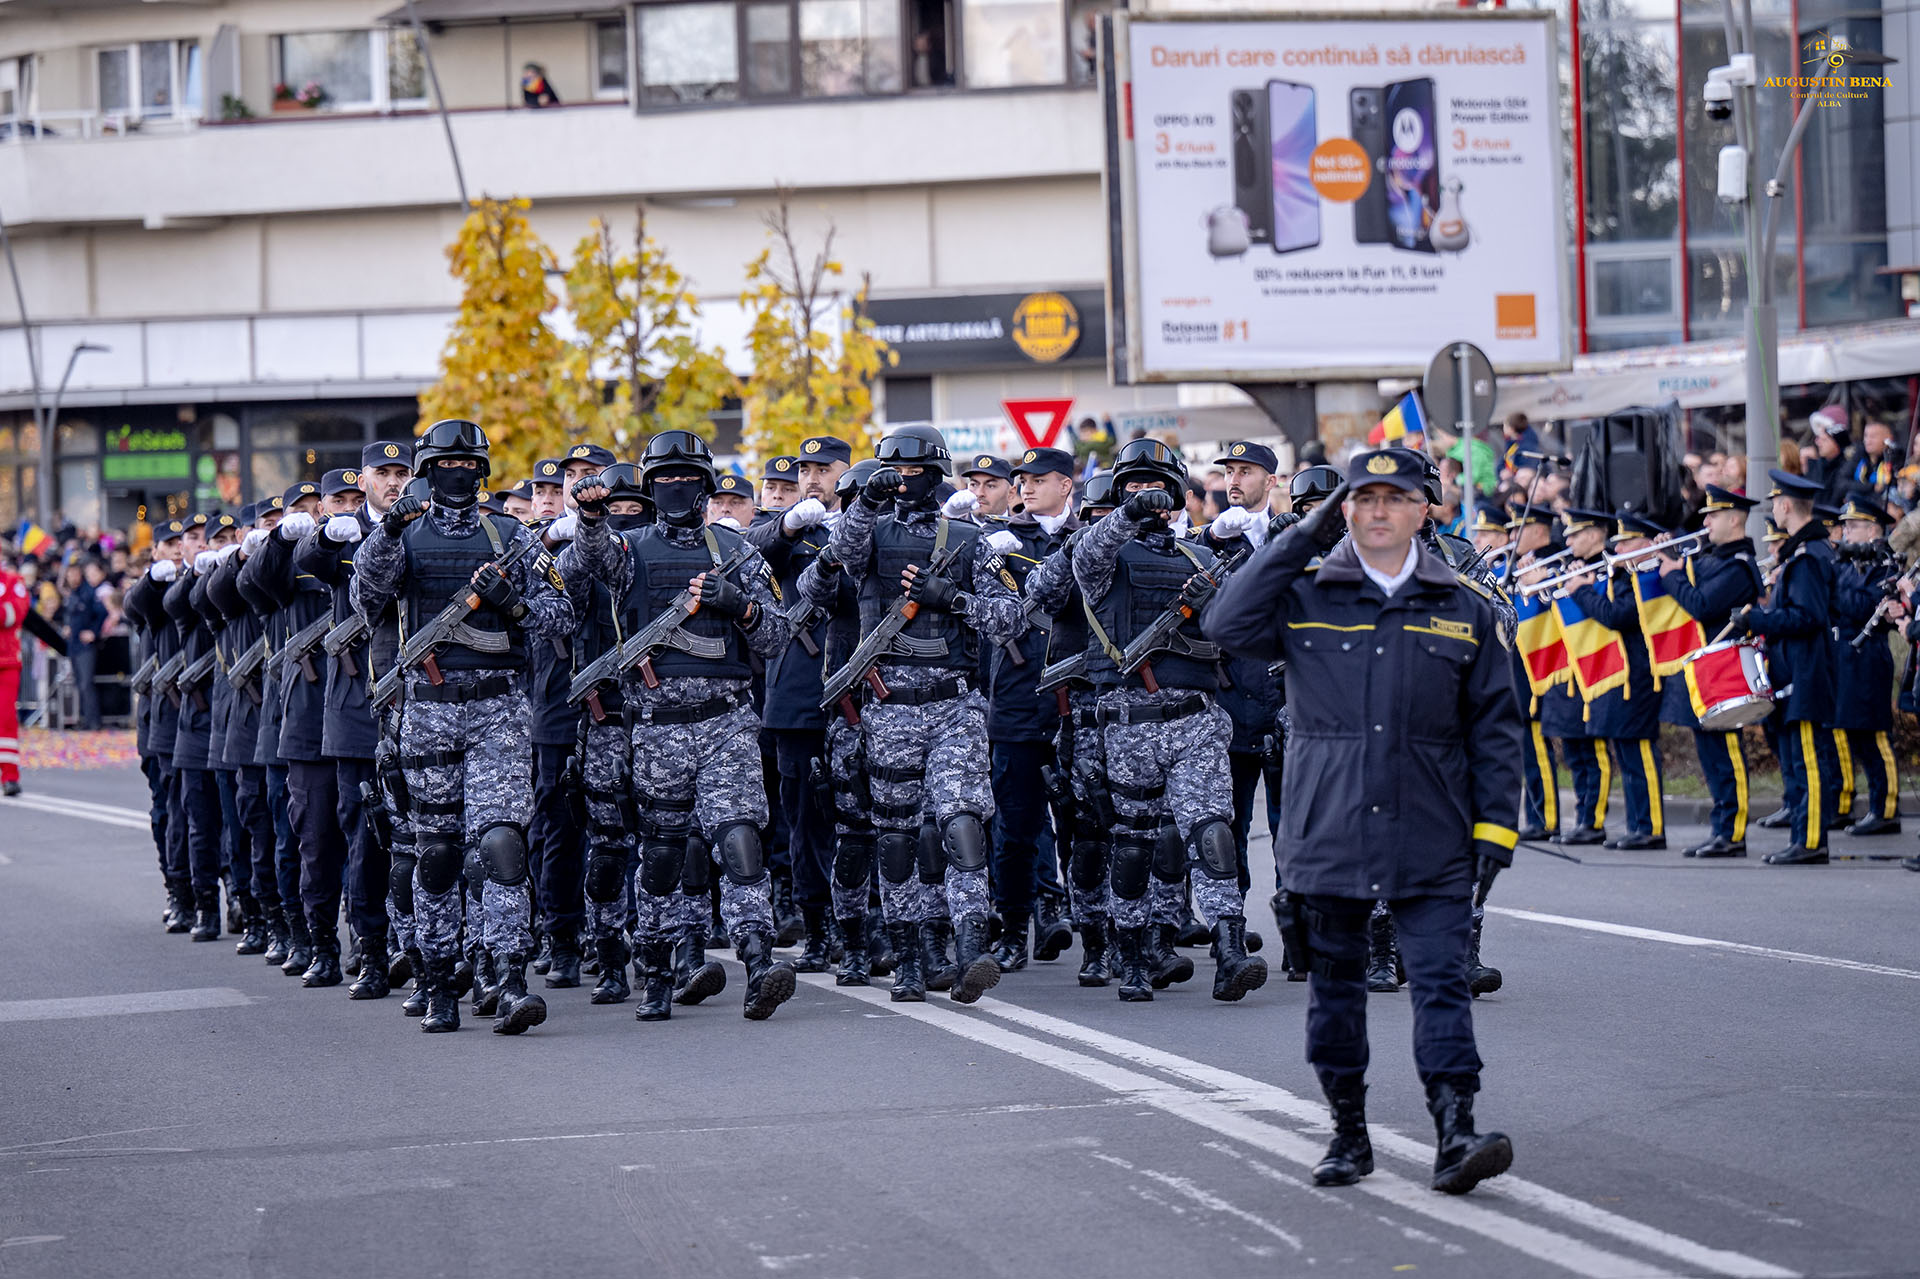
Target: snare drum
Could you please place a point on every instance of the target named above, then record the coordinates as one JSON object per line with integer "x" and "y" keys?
{"x": 1727, "y": 683}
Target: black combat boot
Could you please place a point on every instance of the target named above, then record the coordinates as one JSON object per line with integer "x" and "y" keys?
{"x": 276, "y": 926}
{"x": 1093, "y": 953}
{"x": 1165, "y": 962}
{"x": 978, "y": 971}
{"x": 415, "y": 1004}
{"x": 325, "y": 968}
{"x": 856, "y": 965}
{"x": 519, "y": 1011}
{"x": 443, "y": 1006}
{"x": 937, "y": 968}
{"x": 909, "y": 982}
{"x": 1382, "y": 960}
{"x": 462, "y": 977}
{"x": 299, "y": 944}
{"x": 1136, "y": 974}
{"x": 704, "y": 978}
{"x": 372, "y": 982}
{"x": 1188, "y": 930}
{"x": 614, "y": 955}
{"x": 1464, "y": 1158}
{"x": 355, "y": 949}
{"x": 543, "y": 958}
{"x": 563, "y": 969}
{"x": 253, "y": 929}
{"x": 814, "y": 955}
{"x": 789, "y": 925}
{"x": 206, "y": 916}
{"x": 1052, "y": 935}
{"x": 486, "y": 983}
{"x": 655, "y": 967}
{"x": 1482, "y": 979}
{"x": 880, "y": 954}
{"x": 236, "y": 909}
{"x": 1234, "y": 972}
{"x": 1010, "y": 952}
{"x": 770, "y": 983}
{"x": 1349, "y": 1155}
{"x": 400, "y": 964}
{"x": 179, "y": 915}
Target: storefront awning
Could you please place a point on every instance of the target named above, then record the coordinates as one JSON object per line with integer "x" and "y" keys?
{"x": 458, "y": 11}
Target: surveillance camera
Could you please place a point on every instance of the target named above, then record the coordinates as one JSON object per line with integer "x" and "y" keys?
{"x": 1718, "y": 93}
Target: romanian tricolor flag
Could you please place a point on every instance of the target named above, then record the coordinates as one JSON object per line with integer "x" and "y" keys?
{"x": 1540, "y": 644}
{"x": 32, "y": 539}
{"x": 1672, "y": 633}
{"x": 1402, "y": 420}
{"x": 1597, "y": 655}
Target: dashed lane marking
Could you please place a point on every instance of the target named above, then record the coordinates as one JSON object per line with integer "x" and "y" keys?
{"x": 1714, "y": 943}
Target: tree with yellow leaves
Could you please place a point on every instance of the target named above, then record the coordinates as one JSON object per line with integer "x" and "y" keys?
{"x": 635, "y": 368}
{"x": 497, "y": 366}
{"x": 810, "y": 376}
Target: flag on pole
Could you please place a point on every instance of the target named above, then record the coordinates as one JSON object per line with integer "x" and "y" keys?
{"x": 32, "y": 539}
{"x": 1541, "y": 646}
{"x": 1672, "y": 633}
{"x": 1402, "y": 420}
{"x": 1596, "y": 654}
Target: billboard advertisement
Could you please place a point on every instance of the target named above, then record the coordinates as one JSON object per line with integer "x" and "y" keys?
{"x": 1335, "y": 197}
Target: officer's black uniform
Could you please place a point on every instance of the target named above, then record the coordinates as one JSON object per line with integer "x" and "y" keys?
{"x": 1863, "y": 710}
{"x": 244, "y": 630}
{"x": 144, "y": 601}
{"x": 198, "y": 806}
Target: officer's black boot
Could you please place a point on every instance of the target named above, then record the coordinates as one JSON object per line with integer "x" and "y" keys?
{"x": 856, "y": 965}
{"x": 1482, "y": 978}
{"x": 1189, "y": 931}
{"x": 372, "y": 982}
{"x": 705, "y": 979}
{"x": 1349, "y": 1155}
{"x": 880, "y": 956}
{"x": 614, "y": 955}
{"x": 543, "y": 960}
{"x": 325, "y": 968}
{"x": 909, "y": 982}
{"x": 486, "y": 983}
{"x": 415, "y": 1004}
{"x": 253, "y": 934}
{"x": 937, "y": 968}
{"x": 814, "y": 955}
{"x": 462, "y": 977}
{"x": 1093, "y": 953}
{"x": 1777, "y": 819}
{"x": 1464, "y": 1158}
{"x": 1136, "y": 973}
{"x": 1052, "y": 935}
{"x": 351, "y": 964}
{"x": 519, "y": 1012}
{"x": 1234, "y": 971}
{"x": 443, "y": 1006}
{"x": 1166, "y": 963}
{"x": 1875, "y": 825}
{"x": 206, "y": 916}
{"x": 656, "y": 980}
{"x": 563, "y": 956}
{"x": 769, "y": 983}
{"x": 978, "y": 971}
{"x": 236, "y": 915}
{"x": 400, "y": 964}
{"x": 788, "y": 924}
{"x": 299, "y": 944}
{"x": 1381, "y": 960}
{"x": 179, "y": 914}
{"x": 1010, "y": 952}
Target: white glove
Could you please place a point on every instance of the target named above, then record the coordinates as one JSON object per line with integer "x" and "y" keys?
{"x": 294, "y": 525}
{"x": 252, "y": 542}
{"x": 206, "y": 561}
{"x": 164, "y": 570}
{"x": 564, "y": 528}
{"x": 1232, "y": 522}
{"x": 1001, "y": 542}
{"x": 342, "y": 528}
{"x": 727, "y": 521}
{"x": 227, "y": 550}
{"x": 809, "y": 512}
{"x": 960, "y": 504}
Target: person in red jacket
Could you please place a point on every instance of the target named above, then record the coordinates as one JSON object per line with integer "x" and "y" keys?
{"x": 16, "y": 611}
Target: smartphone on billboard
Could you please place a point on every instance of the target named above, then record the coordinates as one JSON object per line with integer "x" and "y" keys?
{"x": 1413, "y": 164}
{"x": 1366, "y": 114}
{"x": 1294, "y": 133}
{"x": 1252, "y": 183}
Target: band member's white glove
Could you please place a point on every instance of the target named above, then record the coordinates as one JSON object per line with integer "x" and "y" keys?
{"x": 1001, "y": 541}
{"x": 164, "y": 570}
{"x": 1233, "y": 522}
{"x": 960, "y": 505}
{"x": 342, "y": 528}
{"x": 809, "y": 512}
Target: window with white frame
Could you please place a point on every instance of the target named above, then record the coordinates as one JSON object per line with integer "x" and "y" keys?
{"x": 154, "y": 79}
{"x": 351, "y": 70}
{"x": 610, "y": 58}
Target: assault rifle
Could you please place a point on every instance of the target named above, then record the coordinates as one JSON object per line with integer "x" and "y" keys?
{"x": 300, "y": 648}
{"x": 192, "y": 681}
{"x": 163, "y": 679}
{"x": 637, "y": 650}
{"x": 885, "y": 640}
{"x": 1033, "y": 616}
{"x": 244, "y": 674}
{"x": 442, "y": 628}
{"x": 143, "y": 678}
{"x": 1164, "y": 636}
{"x": 343, "y": 639}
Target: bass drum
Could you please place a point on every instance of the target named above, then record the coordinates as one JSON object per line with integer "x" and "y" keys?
{"x": 1727, "y": 683}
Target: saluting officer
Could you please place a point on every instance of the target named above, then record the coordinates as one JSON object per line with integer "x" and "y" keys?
{"x": 1863, "y": 711}
{"x": 256, "y": 884}
{"x": 145, "y": 602}
{"x": 199, "y": 805}
{"x": 780, "y": 481}
{"x": 1395, "y": 676}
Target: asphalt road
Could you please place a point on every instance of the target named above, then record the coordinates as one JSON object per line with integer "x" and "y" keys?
{"x": 1706, "y": 1069}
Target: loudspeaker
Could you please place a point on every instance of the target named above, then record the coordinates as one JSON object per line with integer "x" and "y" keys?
{"x": 1629, "y": 461}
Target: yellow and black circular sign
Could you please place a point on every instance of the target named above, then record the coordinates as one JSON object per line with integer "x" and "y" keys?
{"x": 1046, "y": 326}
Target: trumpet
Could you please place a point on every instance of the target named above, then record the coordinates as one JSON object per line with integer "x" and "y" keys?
{"x": 1607, "y": 563}
{"x": 1558, "y": 555}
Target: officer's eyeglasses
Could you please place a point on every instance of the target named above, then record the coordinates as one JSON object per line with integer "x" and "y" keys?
{"x": 1386, "y": 501}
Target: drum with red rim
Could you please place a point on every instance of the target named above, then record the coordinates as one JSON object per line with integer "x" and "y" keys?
{"x": 1727, "y": 683}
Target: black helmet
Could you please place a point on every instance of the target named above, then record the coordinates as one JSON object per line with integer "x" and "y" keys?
{"x": 916, "y": 446}
{"x": 854, "y": 478}
{"x": 1430, "y": 480}
{"x": 1099, "y": 492}
{"x": 1315, "y": 484}
{"x": 1148, "y": 458}
{"x": 451, "y": 438}
{"x": 623, "y": 482}
{"x": 671, "y": 449}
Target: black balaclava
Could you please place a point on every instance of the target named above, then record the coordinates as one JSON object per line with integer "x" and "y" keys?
{"x": 919, "y": 487}
{"x": 679, "y": 505}
{"x": 630, "y": 520}
{"x": 456, "y": 487}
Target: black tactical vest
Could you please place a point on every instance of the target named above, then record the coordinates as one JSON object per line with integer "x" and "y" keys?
{"x": 437, "y": 566}
{"x": 1146, "y": 581}
{"x": 661, "y": 570}
{"x": 944, "y": 640}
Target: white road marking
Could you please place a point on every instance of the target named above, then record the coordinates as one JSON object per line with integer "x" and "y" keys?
{"x": 127, "y": 818}
{"x": 1185, "y": 1187}
{"x": 146, "y": 1001}
{"x": 21, "y": 1241}
{"x": 1683, "y": 939}
{"x": 1212, "y": 1113}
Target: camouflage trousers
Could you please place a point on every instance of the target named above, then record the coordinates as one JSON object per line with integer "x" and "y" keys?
{"x": 930, "y": 760}
{"x": 1088, "y": 895}
{"x": 1174, "y": 771}
{"x": 699, "y": 779}
{"x": 469, "y": 766}
{"x": 852, "y": 810}
{"x": 605, "y": 765}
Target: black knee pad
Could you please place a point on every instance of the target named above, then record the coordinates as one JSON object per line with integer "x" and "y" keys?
{"x": 965, "y": 838}
{"x": 400, "y": 881}
{"x": 473, "y": 870}
{"x": 439, "y": 864}
{"x": 503, "y": 851}
{"x": 1169, "y": 856}
{"x": 932, "y": 857}
{"x": 853, "y": 861}
{"x": 1132, "y": 858}
{"x": 1215, "y": 850}
{"x": 698, "y": 876}
{"x": 1087, "y": 863}
{"x": 898, "y": 853}
{"x": 663, "y": 857}
{"x": 605, "y": 873}
{"x": 739, "y": 845}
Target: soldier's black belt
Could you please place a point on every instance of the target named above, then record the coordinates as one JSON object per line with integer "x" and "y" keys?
{"x": 431, "y": 759}
{"x": 1192, "y": 704}
{"x": 1087, "y": 717}
{"x": 479, "y": 690}
{"x": 938, "y": 691}
{"x": 709, "y": 709}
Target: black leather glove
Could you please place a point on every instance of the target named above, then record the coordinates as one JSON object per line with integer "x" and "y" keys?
{"x": 881, "y": 487}
{"x": 497, "y": 590}
{"x": 1197, "y": 591}
{"x": 930, "y": 590}
{"x": 1147, "y": 506}
{"x": 590, "y": 496}
{"x": 723, "y": 597}
{"x": 402, "y": 513}
{"x": 1486, "y": 866}
{"x": 1316, "y": 523}
{"x": 1741, "y": 622}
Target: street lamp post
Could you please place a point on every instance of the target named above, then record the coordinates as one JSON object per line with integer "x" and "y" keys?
{"x": 49, "y": 427}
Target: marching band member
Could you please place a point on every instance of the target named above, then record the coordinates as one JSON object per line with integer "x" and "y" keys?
{"x": 1864, "y": 697}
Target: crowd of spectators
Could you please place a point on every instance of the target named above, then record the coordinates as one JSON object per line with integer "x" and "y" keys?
{"x": 77, "y": 582}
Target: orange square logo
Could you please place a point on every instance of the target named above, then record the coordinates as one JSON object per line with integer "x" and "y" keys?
{"x": 1513, "y": 316}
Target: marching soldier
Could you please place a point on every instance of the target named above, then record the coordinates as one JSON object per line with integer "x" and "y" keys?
{"x": 1863, "y": 711}
{"x": 288, "y": 946}
{"x": 990, "y": 485}
{"x": 144, "y": 602}
{"x": 780, "y": 482}
{"x": 255, "y": 819}
{"x": 549, "y": 489}
{"x": 199, "y": 805}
